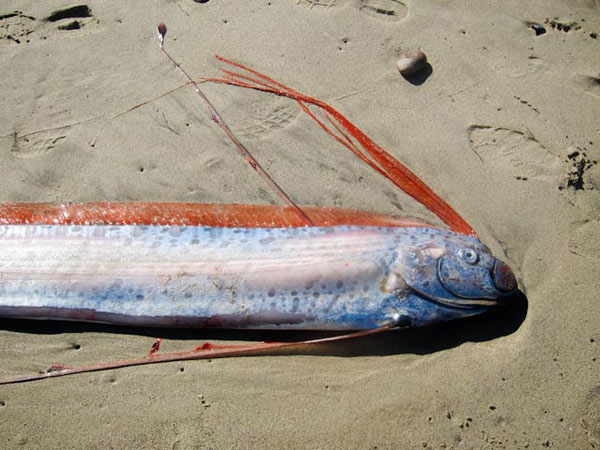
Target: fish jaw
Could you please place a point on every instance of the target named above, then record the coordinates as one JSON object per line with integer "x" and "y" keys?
{"x": 409, "y": 308}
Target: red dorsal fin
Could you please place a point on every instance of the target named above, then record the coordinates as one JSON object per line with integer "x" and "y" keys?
{"x": 190, "y": 214}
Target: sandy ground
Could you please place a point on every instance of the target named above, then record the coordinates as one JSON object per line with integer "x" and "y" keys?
{"x": 505, "y": 128}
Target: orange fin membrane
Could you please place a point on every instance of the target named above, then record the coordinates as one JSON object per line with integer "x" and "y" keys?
{"x": 372, "y": 154}
{"x": 206, "y": 351}
{"x": 191, "y": 214}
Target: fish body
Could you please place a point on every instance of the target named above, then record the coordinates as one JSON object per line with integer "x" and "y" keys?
{"x": 328, "y": 278}
{"x": 234, "y": 266}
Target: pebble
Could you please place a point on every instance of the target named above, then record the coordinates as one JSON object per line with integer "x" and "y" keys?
{"x": 412, "y": 62}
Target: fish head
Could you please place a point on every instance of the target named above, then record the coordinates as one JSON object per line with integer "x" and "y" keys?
{"x": 455, "y": 271}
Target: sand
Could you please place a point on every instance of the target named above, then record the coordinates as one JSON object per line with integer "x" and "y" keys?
{"x": 504, "y": 127}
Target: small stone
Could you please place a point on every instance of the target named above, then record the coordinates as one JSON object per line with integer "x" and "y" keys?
{"x": 412, "y": 62}
{"x": 539, "y": 29}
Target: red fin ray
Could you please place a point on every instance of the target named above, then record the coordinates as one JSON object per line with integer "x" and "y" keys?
{"x": 389, "y": 166}
{"x": 206, "y": 351}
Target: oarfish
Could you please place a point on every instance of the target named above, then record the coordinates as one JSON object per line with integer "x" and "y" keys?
{"x": 244, "y": 266}
{"x": 91, "y": 266}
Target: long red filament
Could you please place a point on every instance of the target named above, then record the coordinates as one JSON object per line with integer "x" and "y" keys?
{"x": 206, "y": 351}
{"x": 389, "y": 166}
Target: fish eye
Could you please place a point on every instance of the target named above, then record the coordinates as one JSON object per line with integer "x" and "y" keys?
{"x": 468, "y": 255}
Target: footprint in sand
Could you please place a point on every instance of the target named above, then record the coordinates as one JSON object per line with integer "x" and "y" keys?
{"x": 212, "y": 163}
{"x": 587, "y": 83}
{"x": 16, "y": 27}
{"x": 19, "y": 28}
{"x": 590, "y": 418}
{"x": 257, "y": 119}
{"x": 574, "y": 173}
{"x": 584, "y": 241}
{"x": 390, "y": 10}
{"x": 527, "y": 158}
{"x": 325, "y": 4}
{"x": 46, "y": 180}
{"x": 35, "y": 144}
{"x": 72, "y": 17}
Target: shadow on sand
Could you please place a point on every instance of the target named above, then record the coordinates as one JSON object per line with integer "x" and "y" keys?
{"x": 417, "y": 79}
{"x": 419, "y": 341}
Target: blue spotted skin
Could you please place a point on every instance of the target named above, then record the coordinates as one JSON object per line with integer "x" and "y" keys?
{"x": 343, "y": 277}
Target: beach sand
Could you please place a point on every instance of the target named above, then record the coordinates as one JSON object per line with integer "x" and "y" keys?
{"x": 505, "y": 128}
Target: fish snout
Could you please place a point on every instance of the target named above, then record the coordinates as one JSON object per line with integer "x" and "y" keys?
{"x": 504, "y": 279}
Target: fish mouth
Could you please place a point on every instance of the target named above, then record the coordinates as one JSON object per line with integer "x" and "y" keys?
{"x": 504, "y": 278}
{"x": 505, "y": 281}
